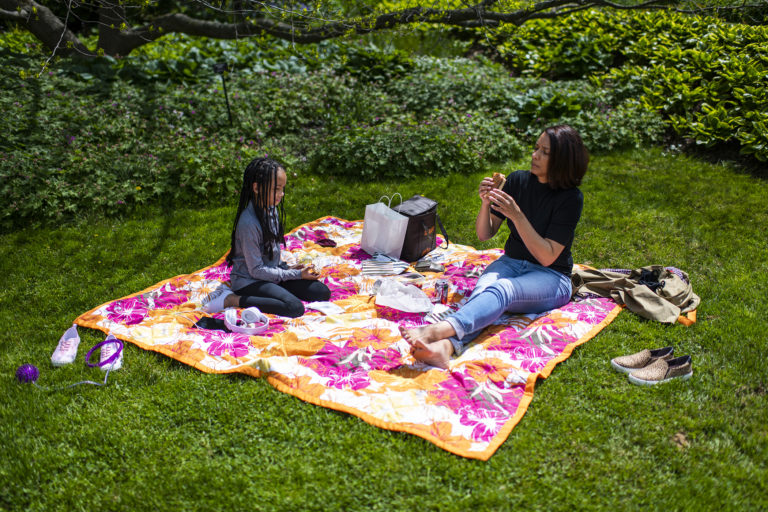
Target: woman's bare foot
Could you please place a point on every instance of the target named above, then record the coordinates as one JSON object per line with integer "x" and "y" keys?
{"x": 438, "y": 353}
{"x": 430, "y": 343}
{"x": 428, "y": 333}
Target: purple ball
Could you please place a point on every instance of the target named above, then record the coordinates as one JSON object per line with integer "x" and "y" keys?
{"x": 27, "y": 373}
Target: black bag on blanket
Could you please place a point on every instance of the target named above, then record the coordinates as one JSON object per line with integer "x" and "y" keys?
{"x": 420, "y": 233}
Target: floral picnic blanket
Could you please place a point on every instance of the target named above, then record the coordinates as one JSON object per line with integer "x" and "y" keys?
{"x": 355, "y": 360}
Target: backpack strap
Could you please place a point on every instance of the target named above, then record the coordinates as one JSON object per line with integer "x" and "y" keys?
{"x": 442, "y": 230}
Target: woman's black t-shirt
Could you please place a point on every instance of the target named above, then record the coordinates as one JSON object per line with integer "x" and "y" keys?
{"x": 553, "y": 213}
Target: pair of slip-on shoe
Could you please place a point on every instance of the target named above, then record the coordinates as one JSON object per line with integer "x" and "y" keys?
{"x": 650, "y": 367}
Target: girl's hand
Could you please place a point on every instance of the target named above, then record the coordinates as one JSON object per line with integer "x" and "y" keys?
{"x": 504, "y": 204}
{"x": 485, "y": 187}
{"x": 309, "y": 273}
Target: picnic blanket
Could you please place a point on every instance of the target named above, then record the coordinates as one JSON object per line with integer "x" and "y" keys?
{"x": 355, "y": 360}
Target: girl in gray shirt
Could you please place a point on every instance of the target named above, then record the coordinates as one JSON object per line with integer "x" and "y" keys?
{"x": 258, "y": 277}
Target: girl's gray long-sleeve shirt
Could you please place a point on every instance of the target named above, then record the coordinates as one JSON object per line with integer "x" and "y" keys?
{"x": 250, "y": 263}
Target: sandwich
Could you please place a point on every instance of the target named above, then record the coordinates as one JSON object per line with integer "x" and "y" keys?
{"x": 499, "y": 180}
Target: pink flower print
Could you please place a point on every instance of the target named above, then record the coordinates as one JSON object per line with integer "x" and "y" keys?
{"x": 340, "y": 367}
{"x": 340, "y": 289}
{"x": 452, "y": 270}
{"x": 333, "y": 221}
{"x": 348, "y": 367}
{"x": 315, "y": 235}
{"x": 218, "y": 273}
{"x": 584, "y": 312}
{"x": 546, "y": 330}
{"x": 342, "y": 379}
{"x": 454, "y": 392}
{"x": 168, "y": 297}
{"x": 464, "y": 284}
{"x": 356, "y": 253}
{"x": 292, "y": 243}
{"x": 227, "y": 342}
{"x": 508, "y": 340}
{"x": 590, "y": 317}
{"x": 458, "y": 278}
{"x": 400, "y": 317}
{"x": 487, "y": 422}
{"x": 127, "y": 311}
{"x": 276, "y": 326}
{"x": 532, "y": 358}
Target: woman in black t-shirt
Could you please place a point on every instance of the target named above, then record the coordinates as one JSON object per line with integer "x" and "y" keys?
{"x": 542, "y": 207}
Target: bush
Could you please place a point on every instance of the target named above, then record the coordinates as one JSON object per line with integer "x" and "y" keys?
{"x": 373, "y": 64}
{"x": 713, "y": 90}
{"x": 707, "y": 78}
{"x": 74, "y": 144}
{"x": 526, "y": 106}
{"x": 406, "y": 148}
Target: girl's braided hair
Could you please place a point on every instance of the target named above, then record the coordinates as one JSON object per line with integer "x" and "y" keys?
{"x": 263, "y": 172}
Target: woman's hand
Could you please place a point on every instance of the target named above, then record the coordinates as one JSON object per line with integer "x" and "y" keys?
{"x": 485, "y": 187}
{"x": 486, "y": 225}
{"x": 504, "y": 204}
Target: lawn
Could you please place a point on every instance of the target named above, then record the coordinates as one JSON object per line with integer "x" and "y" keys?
{"x": 165, "y": 436}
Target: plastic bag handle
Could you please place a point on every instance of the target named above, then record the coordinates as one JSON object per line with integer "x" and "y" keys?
{"x": 389, "y": 199}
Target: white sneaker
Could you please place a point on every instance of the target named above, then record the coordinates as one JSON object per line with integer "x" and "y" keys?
{"x": 214, "y": 301}
{"x": 108, "y": 350}
{"x": 66, "y": 350}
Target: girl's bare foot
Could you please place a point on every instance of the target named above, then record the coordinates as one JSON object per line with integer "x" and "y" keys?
{"x": 232, "y": 301}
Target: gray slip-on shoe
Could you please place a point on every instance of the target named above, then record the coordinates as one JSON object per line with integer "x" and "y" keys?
{"x": 663, "y": 371}
{"x": 632, "y": 362}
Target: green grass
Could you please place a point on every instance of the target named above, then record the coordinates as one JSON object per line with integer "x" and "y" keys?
{"x": 163, "y": 436}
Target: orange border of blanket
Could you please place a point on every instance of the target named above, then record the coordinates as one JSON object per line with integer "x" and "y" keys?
{"x": 280, "y": 386}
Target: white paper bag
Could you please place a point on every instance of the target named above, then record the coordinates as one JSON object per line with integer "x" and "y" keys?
{"x": 383, "y": 230}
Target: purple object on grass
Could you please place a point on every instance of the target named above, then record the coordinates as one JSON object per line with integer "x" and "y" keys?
{"x": 27, "y": 373}
{"x": 109, "y": 360}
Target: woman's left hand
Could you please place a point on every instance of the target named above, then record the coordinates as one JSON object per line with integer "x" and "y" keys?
{"x": 504, "y": 204}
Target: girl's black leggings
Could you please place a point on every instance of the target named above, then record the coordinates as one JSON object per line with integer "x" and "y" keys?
{"x": 283, "y": 298}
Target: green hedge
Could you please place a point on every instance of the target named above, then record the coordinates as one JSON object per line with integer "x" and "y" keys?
{"x": 82, "y": 137}
{"x": 406, "y": 147}
{"x": 708, "y": 78}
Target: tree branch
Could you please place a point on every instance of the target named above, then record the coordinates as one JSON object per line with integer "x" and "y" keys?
{"x": 13, "y": 15}
{"x": 46, "y": 26}
{"x": 119, "y": 36}
{"x": 116, "y": 41}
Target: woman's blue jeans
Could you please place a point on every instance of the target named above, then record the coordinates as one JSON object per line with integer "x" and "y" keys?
{"x": 508, "y": 285}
